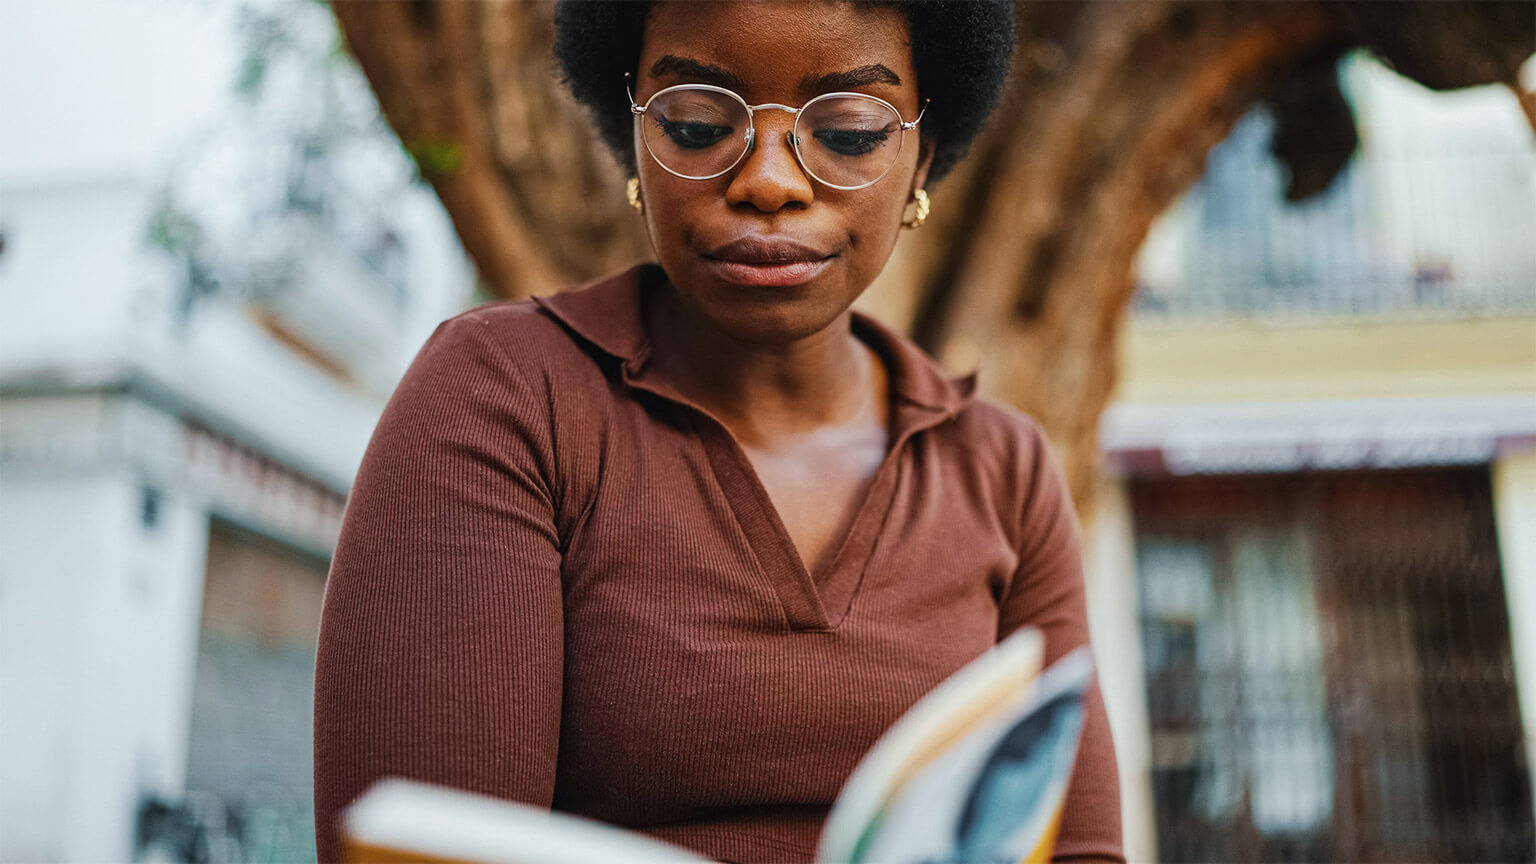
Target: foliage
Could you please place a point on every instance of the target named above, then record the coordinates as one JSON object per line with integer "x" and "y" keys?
{"x": 300, "y": 160}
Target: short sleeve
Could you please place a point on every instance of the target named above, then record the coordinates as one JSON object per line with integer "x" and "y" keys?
{"x": 440, "y": 651}
{"x": 1047, "y": 593}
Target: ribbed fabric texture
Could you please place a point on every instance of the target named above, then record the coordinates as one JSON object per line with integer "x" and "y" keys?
{"x": 560, "y": 582}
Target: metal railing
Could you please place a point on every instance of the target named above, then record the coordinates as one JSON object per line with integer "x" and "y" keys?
{"x": 1442, "y": 230}
{"x": 1328, "y": 669}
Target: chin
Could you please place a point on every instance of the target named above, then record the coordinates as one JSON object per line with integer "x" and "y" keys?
{"x": 773, "y": 316}
{"x": 773, "y": 324}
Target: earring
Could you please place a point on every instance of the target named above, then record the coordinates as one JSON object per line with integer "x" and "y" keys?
{"x": 920, "y": 198}
{"x": 632, "y": 192}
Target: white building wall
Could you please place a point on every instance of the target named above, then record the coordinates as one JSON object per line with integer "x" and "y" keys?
{"x": 1514, "y": 499}
{"x": 1115, "y": 620}
{"x": 100, "y": 605}
{"x": 98, "y": 628}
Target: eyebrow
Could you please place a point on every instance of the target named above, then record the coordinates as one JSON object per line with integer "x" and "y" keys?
{"x": 874, "y": 73}
{"x": 687, "y": 67}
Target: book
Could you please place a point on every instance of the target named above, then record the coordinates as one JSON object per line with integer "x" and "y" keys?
{"x": 976, "y": 771}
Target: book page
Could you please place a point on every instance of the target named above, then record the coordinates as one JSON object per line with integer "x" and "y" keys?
{"x": 977, "y": 771}
{"x": 401, "y": 820}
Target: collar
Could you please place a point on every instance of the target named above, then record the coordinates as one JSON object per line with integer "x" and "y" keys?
{"x": 607, "y": 313}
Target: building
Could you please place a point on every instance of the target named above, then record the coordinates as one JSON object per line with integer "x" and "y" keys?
{"x": 1316, "y": 543}
{"x": 172, "y": 473}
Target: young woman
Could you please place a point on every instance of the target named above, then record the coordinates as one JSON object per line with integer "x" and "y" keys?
{"x": 673, "y": 549}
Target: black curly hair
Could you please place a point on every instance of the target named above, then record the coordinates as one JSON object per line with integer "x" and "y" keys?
{"x": 960, "y": 50}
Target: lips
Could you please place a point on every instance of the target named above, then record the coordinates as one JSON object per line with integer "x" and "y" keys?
{"x": 767, "y": 261}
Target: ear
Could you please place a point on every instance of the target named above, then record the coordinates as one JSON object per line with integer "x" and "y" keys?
{"x": 924, "y": 160}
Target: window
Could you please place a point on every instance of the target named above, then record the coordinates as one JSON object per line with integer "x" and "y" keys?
{"x": 1328, "y": 669}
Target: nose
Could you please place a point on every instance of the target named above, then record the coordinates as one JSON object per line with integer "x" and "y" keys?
{"x": 770, "y": 177}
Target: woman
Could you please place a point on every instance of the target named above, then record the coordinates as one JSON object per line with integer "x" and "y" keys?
{"x": 673, "y": 549}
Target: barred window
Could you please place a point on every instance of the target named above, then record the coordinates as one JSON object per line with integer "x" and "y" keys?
{"x": 1328, "y": 668}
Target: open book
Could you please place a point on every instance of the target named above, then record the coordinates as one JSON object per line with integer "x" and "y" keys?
{"x": 976, "y": 771}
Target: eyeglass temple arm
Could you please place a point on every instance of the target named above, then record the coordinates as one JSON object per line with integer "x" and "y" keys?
{"x": 635, "y": 107}
{"x": 913, "y": 124}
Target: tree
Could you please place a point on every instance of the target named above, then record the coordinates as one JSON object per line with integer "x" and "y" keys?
{"x": 1025, "y": 269}
{"x": 300, "y": 161}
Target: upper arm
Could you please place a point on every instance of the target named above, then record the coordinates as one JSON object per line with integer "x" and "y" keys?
{"x": 1047, "y": 593}
{"x": 440, "y": 652}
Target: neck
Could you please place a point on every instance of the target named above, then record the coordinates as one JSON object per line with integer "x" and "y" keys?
{"x": 765, "y": 392}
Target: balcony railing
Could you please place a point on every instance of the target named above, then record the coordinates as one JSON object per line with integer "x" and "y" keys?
{"x": 1438, "y": 230}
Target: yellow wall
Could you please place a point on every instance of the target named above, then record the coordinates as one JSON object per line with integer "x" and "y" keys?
{"x": 1194, "y": 362}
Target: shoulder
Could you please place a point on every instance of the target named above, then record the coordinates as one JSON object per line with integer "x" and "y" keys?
{"x": 1010, "y": 449}
{"x": 521, "y": 331}
{"x": 501, "y": 369}
{"x": 1000, "y": 425}
{"x": 582, "y": 334}
{"x": 1005, "y": 437}
{"x": 507, "y": 346}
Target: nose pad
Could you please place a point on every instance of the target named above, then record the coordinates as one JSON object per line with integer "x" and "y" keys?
{"x": 790, "y": 137}
{"x": 794, "y": 142}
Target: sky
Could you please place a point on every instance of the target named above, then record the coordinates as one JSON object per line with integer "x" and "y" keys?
{"x": 98, "y": 89}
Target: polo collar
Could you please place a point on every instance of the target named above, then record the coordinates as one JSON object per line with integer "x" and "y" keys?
{"x": 608, "y": 314}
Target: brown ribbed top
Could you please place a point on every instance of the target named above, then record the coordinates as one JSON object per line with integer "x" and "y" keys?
{"x": 560, "y": 582}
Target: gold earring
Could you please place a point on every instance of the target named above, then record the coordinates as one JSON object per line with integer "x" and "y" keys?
{"x": 920, "y": 197}
{"x": 632, "y": 192}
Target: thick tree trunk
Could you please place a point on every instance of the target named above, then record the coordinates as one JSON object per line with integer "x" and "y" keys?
{"x": 1114, "y": 108}
{"x": 469, "y": 88}
{"x": 1025, "y": 269}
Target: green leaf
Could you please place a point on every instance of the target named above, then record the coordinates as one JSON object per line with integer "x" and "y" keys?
{"x": 435, "y": 157}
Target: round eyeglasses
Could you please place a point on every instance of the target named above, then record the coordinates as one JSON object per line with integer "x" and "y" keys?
{"x": 700, "y": 131}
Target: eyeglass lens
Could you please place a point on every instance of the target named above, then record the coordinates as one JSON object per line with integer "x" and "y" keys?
{"x": 844, "y": 141}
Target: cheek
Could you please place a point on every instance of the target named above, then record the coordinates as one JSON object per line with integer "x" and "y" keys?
{"x": 665, "y": 208}
{"x": 883, "y": 206}
{"x": 874, "y": 224}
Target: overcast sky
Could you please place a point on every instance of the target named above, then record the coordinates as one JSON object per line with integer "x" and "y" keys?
{"x": 105, "y": 88}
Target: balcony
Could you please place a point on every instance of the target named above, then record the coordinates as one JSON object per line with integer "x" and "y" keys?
{"x": 1425, "y": 227}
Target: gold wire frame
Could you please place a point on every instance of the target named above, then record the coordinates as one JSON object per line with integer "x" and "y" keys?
{"x": 639, "y": 110}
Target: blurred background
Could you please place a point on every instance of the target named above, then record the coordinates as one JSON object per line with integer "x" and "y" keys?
{"x": 1273, "y": 297}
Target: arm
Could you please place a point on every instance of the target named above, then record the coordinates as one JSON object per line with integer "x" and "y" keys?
{"x": 1047, "y": 593}
{"x": 440, "y": 653}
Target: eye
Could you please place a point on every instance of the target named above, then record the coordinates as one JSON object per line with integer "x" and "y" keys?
{"x": 851, "y": 142}
{"x": 692, "y": 134}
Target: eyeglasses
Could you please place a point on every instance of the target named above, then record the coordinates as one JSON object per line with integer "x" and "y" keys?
{"x": 700, "y": 131}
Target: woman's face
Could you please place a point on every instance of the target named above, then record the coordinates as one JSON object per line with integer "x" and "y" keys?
{"x": 714, "y": 237}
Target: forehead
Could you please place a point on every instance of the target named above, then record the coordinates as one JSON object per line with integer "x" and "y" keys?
{"x": 774, "y": 49}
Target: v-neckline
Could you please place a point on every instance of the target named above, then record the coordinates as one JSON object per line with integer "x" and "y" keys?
{"x": 808, "y": 603}
{"x": 812, "y": 601}
{"x": 827, "y": 547}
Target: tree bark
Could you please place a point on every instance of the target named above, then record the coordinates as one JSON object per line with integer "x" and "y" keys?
{"x": 1025, "y": 269}
{"x": 1114, "y": 110}
{"x": 469, "y": 88}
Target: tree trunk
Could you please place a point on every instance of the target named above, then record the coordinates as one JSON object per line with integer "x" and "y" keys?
{"x": 1113, "y": 110}
{"x": 1025, "y": 269}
